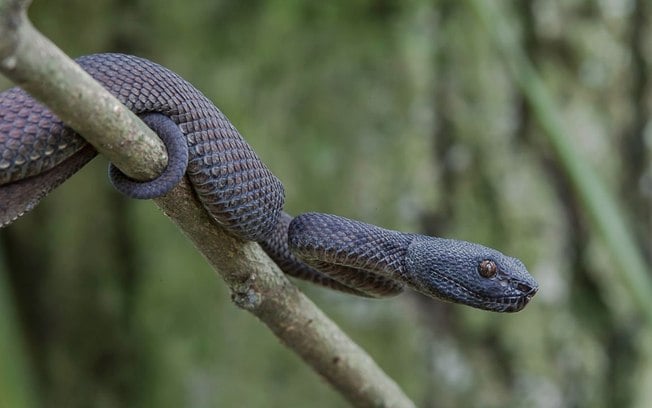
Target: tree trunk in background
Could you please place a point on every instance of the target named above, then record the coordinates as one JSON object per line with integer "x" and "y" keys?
{"x": 491, "y": 153}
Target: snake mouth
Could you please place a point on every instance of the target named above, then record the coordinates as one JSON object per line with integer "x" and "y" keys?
{"x": 504, "y": 304}
{"x": 518, "y": 302}
{"x": 515, "y": 303}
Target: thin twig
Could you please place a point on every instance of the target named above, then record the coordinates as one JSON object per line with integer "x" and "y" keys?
{"x": 256, "y": 284}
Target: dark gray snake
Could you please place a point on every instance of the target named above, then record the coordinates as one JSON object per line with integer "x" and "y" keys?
{"x": 38, "y": 152}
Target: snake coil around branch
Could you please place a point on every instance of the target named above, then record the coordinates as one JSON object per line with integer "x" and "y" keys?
{"x": 38, "y": 152}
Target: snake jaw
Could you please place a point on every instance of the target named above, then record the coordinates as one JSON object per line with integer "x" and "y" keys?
{"x": 518, "y": 292}
{"x": 524, "y": 291}
{"x": 513, "y": 303}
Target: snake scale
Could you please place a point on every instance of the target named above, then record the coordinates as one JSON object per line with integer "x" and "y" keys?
{"x": 38, "y": 152}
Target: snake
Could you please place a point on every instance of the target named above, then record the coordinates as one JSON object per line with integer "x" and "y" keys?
{"x": 38, "y": 152}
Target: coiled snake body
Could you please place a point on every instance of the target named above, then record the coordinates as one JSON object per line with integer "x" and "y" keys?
{"x": 38, "y": 152}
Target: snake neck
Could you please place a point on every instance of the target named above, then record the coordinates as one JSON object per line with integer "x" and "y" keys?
{"x": 331, "y": 239}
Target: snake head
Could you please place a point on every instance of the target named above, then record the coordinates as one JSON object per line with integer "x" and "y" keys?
{"x": 468, "y": 273}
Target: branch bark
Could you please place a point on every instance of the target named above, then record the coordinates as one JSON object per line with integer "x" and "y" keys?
{"x": 256, "y": 283}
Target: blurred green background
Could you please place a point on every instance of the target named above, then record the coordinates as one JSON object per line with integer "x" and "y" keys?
{"x": 405, "y": 114}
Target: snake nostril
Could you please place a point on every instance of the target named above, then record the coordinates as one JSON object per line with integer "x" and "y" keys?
{"x": 525, "y": 288}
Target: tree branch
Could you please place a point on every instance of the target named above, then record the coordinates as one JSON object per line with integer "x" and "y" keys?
{"x": 256, "y": 283}
{"x": 42, "y": 69}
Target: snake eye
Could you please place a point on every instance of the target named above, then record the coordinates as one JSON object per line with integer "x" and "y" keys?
{"x": 487, "y": 269}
